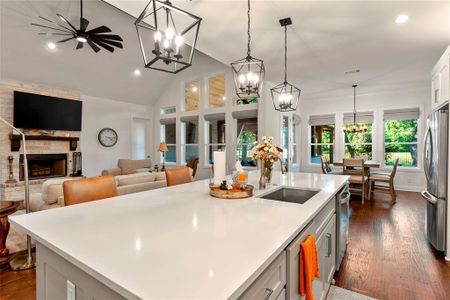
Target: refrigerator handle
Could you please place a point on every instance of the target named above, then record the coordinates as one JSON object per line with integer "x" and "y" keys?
{"x": 427, "y": 162}
{"x": 430, "y": 198}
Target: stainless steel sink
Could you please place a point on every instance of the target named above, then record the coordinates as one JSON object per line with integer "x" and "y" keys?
{"x": 293, "y": 195}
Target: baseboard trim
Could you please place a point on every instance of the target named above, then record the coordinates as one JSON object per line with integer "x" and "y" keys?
{"x": 409, "y": 188}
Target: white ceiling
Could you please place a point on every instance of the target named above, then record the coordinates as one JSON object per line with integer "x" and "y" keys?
{"x": 326, "y": 39}
{"x": 24, "y": 55}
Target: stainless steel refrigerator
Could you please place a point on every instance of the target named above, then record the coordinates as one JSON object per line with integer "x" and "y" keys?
{"x": 435, "y": 166}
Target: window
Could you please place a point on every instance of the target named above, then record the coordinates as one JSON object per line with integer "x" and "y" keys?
{"x": 400, "y": 137}
{"x": 168, "y": 110}
{"x": 191, "y": 95}
{"x": 169, "y": 134}
{"x": 359, "y": 145}
{"x": 295, "y": 132}
{"x": 322, "y": 137}
{"x": 216, "y": 91}
{"x": 215, "y": 138}
{"x": 247, "y": 135}
{"x": 190, "y": 139}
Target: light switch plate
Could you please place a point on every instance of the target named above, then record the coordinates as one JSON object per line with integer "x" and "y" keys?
{"x": 71, "y": 291}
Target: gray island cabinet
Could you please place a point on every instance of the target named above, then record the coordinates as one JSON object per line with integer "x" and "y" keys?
{"x": 179, "y": 243}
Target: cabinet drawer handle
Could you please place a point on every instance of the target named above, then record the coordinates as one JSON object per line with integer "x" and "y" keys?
{"x": 270, "y": 291}
{"x": 328, "y": 235}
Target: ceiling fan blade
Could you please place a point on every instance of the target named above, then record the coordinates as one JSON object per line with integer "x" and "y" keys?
{"x": 100, "y": 29}
{"x": 54, "y": 33}
{"x": 112, "y": 43}
{"x": 50, "y": 21}
{"x": 83, "y": 24}
{"x": 93, "y": 46}
{"x": 65, "y": 40}
{"x": 48, "y": 27}
{"x": 68, "y": 23}
{"x": 107, "y": 47}
{"x": 79, "y": 45}
{"x": 108, "y": 37}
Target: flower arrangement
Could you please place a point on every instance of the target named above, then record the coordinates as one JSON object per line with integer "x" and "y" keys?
{"x": 268, "y": 154}
{"x": 266, "y": 151}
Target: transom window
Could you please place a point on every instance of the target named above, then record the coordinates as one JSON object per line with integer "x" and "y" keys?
{"x": 191, "y": 95}
{"x": 216, "y": 91}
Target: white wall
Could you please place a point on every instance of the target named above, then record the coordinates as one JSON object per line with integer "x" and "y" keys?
{"x": 406, "y": 179}
{"x": 99, "y": 113}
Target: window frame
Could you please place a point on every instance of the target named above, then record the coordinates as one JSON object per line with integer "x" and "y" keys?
{"x": 183, "y": 143}
{"x": 420, "y": 129}
{"x": 208, "y": 144}
{"x": 310, "y": 144}
{"x": 163, "y": 135}
{"x": 237, "y": 144}
{"x": 373, "y": 152}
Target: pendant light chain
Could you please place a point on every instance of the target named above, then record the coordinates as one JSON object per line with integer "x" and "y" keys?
{"x": 285, "y": 54}
{"x": 248, "y": 30}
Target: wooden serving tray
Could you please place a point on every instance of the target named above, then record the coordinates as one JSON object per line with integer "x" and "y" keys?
{"x": 235, "y": 193}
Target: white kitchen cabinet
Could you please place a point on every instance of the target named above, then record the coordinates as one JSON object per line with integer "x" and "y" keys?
{"x": 440, "y": 80}
{"x": 323, "y": 226}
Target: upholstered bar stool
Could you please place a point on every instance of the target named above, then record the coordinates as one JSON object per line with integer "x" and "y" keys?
{"x": 178, "y": 176}
{"x": 387, "y": 183}
{"x": 89, "y": 189}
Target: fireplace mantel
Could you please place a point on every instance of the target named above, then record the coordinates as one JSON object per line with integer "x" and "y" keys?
{"x": 16, "y": 140}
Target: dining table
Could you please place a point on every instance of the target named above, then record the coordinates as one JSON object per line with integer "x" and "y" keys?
{"x": 367, "y": 164}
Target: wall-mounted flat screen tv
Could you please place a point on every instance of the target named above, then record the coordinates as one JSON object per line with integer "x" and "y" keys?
{"x": 34, "y": 111}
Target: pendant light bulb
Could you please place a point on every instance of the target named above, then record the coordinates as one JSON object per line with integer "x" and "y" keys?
{"x": 158, "y": 36}
{"x": 170, "y": 33}
{"x": 179, "y": 41}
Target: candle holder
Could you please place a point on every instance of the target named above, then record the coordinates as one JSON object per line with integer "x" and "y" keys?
{"x": 11, "y": 178}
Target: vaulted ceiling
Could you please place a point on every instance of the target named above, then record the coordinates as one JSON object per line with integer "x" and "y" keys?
{"x": 327, "y": 39}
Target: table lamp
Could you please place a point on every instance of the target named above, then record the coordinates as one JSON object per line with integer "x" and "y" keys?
{"x": 163, "y": 148}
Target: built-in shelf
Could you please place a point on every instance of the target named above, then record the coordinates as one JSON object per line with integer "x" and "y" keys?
{"x": 16, "y": 140}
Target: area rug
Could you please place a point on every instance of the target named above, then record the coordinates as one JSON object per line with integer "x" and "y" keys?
{"x": 337, "y": 293}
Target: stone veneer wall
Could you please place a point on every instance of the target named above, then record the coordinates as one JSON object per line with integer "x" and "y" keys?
{"x": 7, "y": 88}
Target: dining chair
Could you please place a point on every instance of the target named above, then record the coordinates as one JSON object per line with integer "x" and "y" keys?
{"x": 178, "y": 176}
{"x": 358, "y": 179}
{"x": 89, "y": 189}
{"x": 326, "y": 166}
{"x": 193, "y": 164}
{"x": 387, "y": 183}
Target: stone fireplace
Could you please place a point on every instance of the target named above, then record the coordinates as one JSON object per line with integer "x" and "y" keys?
{"x": 42, "y": 166}
{"x": 49, "y": 156}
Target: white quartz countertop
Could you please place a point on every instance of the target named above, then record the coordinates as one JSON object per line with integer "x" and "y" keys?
{"x": 179, "y": 242}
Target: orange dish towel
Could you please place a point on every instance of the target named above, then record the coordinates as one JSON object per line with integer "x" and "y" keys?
{"x": 309, "y": 267}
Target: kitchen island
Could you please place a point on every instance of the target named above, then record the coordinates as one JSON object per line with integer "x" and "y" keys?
{"x": 170, "y": 243}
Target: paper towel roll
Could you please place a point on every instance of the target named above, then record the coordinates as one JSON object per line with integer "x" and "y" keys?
{"x": 219, "y": 167}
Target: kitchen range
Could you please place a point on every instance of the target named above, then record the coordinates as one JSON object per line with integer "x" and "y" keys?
{"x": 139, "y": 246}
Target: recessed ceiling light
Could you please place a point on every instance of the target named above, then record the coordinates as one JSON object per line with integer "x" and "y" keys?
{"x": 51, "y": 46}
{"x": 137, "y": 72}
{"x": 401, "y": 19}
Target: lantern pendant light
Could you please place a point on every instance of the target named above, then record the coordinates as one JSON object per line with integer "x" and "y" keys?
{"x": 248, "y": 72}
{"x": 171, "y": 45}
{"x": 355, "y": 128}
{"x": 285, "y": 96}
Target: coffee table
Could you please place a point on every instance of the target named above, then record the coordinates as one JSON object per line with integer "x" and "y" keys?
{"x": 6, "y": 208}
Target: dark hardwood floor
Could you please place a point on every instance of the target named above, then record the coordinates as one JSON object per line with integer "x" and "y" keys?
{"x": 388, "y": 256}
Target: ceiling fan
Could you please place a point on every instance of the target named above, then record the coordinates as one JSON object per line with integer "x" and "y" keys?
{"x": 95, "y": 37}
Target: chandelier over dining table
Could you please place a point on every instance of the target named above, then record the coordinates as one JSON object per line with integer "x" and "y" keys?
{"x": 248, "y": 72}
{"x": 170, "y": 46}
{"x": 355, "y": 127}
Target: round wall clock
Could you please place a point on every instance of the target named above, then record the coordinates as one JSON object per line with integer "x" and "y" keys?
{"x": 107, "y": 137}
